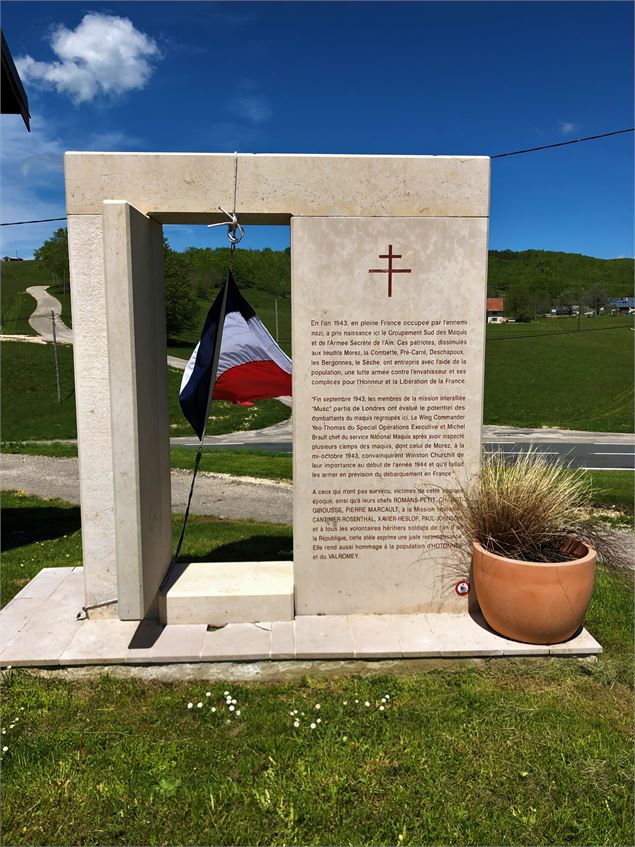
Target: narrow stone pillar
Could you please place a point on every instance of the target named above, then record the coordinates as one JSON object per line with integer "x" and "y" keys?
{"x": 135, "y": 310}
{"x": 92, "y": 400}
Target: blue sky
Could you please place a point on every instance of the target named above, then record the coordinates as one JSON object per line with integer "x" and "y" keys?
{"x": 335, "y": 77}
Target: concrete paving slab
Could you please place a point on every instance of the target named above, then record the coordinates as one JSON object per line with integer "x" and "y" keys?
{"x": 155, "y": 643}
{"x": 99, "y": 643}
{"x": 583, "y": 642}
{"x": 321, "y": 636}
{"x": 44, "y": 638}
{"x": 282, "y": 640}
{"x": 415, "y": 637}
{"x": 374, "y": 636}
{"x": 43, "y": 583}
{"x": 237, "y": 641}
{"x": 15, "y": 616}
{"x": 465, "y": 635}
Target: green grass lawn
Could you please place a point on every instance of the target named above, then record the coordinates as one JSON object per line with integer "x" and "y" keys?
{"x": 538, "y": 374}
{"x": 30, "y": 409}
{"x": 505, "y": 752}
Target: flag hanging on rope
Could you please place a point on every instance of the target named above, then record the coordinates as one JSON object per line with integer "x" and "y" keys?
{"x": 250, "y": 366}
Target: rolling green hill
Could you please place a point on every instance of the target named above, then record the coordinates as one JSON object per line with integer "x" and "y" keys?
{"x": 552, "y": 273}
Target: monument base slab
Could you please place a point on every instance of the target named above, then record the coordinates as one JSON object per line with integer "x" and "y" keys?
{"x": 39, "y": 628}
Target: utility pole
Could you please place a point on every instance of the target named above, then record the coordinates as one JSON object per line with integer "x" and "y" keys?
{"x": 276, "y": 307}
{"x": 57, "y": 365}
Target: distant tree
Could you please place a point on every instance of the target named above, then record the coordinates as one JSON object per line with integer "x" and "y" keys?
{"x": 541, "y": 300}
{"x": 180, "y": 290}
{"x": 596, "y": 297}
{"x": 517, "y": 302}
{"x": 569, "y": 298}
{"x": 54, "y": 254}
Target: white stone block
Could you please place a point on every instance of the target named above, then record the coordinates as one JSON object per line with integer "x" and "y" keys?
{"x": 217, "y": 593}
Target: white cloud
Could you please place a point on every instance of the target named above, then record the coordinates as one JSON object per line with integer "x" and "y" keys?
{"x": 103, "y": 55}
{"x": 568, "y": 127}
{"x": 252, "y": 107}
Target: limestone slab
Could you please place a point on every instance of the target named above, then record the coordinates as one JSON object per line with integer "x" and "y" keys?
{"x": 237, "y": 641}
{"x": 467, "y": 635}
{"x": 42, "y": 585}
{"x": 388, "y": 389}
{"x": 414, "y": 633}
{"x": 374, "y": 636}
{"x": 15, "y": 616}
{"x": 176, "y": 187}
{"x": 217, "y": 593}
{"x": 582, "y": 643}
{"x": 156, "y": 643}
{"x": 282, "y": 640}
{"x": 43, "y": 639}
{"x": 99, "y": 643}
{"x": 322, "y": 636}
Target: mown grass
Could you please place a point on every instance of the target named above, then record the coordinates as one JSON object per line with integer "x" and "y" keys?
{"x": 30, "y": 409}
{"x": 539, "y": 375}
{"x": 509, "y": 752}
{"x": 16, "y": 306}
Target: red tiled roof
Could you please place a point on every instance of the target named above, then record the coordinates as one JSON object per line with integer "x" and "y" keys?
{"x": 495, "y": 304}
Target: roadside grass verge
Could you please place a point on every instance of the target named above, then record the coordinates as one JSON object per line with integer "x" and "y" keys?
{"x": 256, "y": 463}
{"x": 30, "y": 409}
{"x": 504, "y": 752}
{"x": 576, "y": 380}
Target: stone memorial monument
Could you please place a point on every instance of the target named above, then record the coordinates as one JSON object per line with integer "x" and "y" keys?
{"x": 389, "y": 258}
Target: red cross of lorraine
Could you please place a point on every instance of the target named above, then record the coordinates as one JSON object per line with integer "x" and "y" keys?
{"x": 389, "y": 270}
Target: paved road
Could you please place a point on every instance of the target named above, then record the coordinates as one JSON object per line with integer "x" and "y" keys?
{"x": 214, "y": 494}
{"x": 40, "y": 320}
{"x": 606, "y": 451}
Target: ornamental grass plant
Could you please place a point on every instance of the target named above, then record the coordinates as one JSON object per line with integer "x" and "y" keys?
{"x": 529, "y": 509}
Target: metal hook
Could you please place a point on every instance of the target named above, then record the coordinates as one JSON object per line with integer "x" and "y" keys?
{"x": 235, "y": 232}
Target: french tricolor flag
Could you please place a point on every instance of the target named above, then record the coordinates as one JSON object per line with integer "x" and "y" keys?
{"x": 236, "y": 355}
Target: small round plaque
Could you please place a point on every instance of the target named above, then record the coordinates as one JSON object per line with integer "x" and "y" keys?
{"x": 462, "y": 587}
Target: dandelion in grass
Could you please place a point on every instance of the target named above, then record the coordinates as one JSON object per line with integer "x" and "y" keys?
{"x": 225, "y": 693}
{"x": 237, "y": 712}
{"x": 4, "y": 749}
{"x": 383, "y": 700}
{"x": 234, "y": 702}
{"x": 317, "y": 706}
{"x": 199, "y": 705}
{"x": 190, "y": 705}
{"x": 296, "y": 724}
{"x": 213, "y": 708}
{"x": 313, "y": 725}
{"x": 345, "y": 738}
{"x": 319, "y": 720}
{"x": 345, "y": 703}
{"x": 208, "y": 693}
{"x": 381, "y": 709}
{"x": 232, "y": 708}
{"x": 367, "y": 704}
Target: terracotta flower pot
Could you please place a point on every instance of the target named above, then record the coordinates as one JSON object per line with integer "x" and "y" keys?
{"x": 534, "y": 602}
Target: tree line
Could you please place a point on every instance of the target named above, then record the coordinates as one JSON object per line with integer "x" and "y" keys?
{"x": 530, "y": 281}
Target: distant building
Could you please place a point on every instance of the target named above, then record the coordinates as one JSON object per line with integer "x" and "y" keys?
{"x": 495, "y": 307}
{"x": 622, "y": 304}
{"x": 12, "y": 259}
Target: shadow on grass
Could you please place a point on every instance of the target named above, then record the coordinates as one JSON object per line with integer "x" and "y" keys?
{"x": 257, "y": 548}
{"x": 25, "y": 526}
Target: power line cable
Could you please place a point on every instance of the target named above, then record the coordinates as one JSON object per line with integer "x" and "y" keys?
{"x": 562, "y": 143}
{"x": 41, "y": 221}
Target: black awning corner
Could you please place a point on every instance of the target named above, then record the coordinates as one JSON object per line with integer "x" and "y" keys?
{"x": 13, "y": 96}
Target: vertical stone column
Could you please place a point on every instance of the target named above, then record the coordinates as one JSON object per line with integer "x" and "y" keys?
{"x": 135, "y": 310}
{"x": 388, "y": 351}
{"x": 92, "y": 399}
